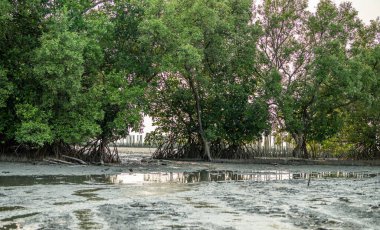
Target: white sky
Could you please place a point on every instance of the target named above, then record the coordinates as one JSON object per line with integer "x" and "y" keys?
{"x": 367, "y": 9}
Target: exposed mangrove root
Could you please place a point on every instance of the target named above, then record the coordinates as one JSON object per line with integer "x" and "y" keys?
{"x": 233, "y": 152}
{"x": 79, "y": 161}
{"x": 172, "y": 148}
{"x": 98, "y": 151}
{"x": 367, "y": 151}
{"x": 24, "y": 151}
{"x": 194, "y": 150}
{"x": 58, "y": 161}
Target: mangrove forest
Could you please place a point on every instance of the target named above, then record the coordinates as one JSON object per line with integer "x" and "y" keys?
{"x": 214, "y": 75}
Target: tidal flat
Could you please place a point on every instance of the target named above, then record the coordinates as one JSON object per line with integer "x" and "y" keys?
{"x": 188, "y": 195}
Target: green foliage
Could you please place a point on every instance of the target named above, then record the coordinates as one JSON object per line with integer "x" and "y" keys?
{"x": 5, "y": 10}
{"x": 208, "y": 67}
{"x": 34, "y": 128}
{"x": 120, "y": 103}
{"x": 59, "y": 70}
{"x": 363, "y": 118}
{"x": 5, "y": 88}
{"x": 20, "y": 30}
{"x": 319, "y": 76}
{"x": 57, "y": 75}
{"x": 213, "y": 71}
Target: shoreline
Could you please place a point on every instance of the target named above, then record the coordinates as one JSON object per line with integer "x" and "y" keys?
{"x": 297, "y": 161}
{"x": 255, "y": 161}
{"x": 147, "y": 153}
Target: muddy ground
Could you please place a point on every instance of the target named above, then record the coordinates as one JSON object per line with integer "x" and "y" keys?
{"x": 150, "y": 194}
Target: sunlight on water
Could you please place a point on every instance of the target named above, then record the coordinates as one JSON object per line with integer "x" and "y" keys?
{"x": 225, "y": 176}
{"x": 199, "y": 176}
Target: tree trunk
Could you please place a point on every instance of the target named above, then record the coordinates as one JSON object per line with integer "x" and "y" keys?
{"x": 206, "y": 146}
{"x": 304, "y": 149}
{"x": 206, "y": 143}
{"x": 300, "y": 150}
{"x": 102, "y": 151}
{"x": 266, "y": 146}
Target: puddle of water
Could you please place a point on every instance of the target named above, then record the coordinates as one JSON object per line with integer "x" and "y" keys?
{"x": 175, "y": 177}
{"x": 225, "y": 176}
{"x": 323, "y": 175}
{"x": 197, "y": 176}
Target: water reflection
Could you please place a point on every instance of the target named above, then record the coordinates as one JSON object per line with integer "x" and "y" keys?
{"x": 198, "y": 176}
{"x": 339, "y": 174}
{"x": 175, "y": 177}
{"x": 225, "y": 175}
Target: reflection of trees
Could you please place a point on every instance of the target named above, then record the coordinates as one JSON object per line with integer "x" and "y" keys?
{"x": 226, "y": 175}
{"x": 205, "y": 175}
{"x": 338, "y": 174}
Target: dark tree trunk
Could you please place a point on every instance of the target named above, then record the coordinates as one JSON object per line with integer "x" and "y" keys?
{"x": 206, "y": 143}
{"x": 301, "y": 148}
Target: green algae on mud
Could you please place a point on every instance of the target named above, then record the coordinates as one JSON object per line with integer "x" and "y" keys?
{"x": 13, "y": 218}
{"x": 10, "y": 208}
{"x": 85, "y": 217}
{"x": 89, "y": 194}
{"x": 10, "y": 181}
{"x": 10, "y": 226}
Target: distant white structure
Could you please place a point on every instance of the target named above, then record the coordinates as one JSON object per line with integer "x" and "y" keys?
{"x": 137, "y": 138}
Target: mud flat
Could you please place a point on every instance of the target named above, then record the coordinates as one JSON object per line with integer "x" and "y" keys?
{"x": 151, "y": 194}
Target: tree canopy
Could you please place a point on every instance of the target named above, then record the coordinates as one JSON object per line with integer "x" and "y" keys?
{"x": 214, "y": 75}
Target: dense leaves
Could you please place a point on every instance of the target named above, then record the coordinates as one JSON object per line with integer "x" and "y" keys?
{"x": 208, "y": 93}
{"x": 214, "y": 75}
{"x": 320, "y": 74}
{"x": 60, "y": 85}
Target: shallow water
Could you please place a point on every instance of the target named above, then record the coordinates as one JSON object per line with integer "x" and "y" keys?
{"x": 177, "y": 195}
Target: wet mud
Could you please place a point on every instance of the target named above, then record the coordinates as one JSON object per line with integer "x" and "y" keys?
{"x": 178, "y": 195}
